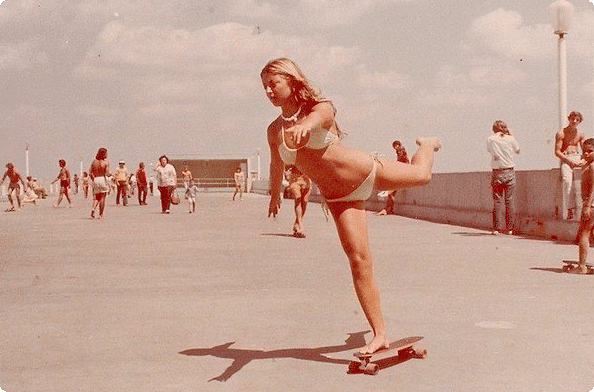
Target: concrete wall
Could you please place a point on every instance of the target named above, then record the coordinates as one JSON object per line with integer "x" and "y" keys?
{"x": 465, "y": 199}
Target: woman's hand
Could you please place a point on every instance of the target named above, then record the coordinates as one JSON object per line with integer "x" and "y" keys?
{"x": 581, "y": 163}
{"x": 587, "y": 212}
{"x": 274, "y": 206}
{"x": 298, "y": 133}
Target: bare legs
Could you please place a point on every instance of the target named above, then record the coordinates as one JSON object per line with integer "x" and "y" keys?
{"x": 301, "y": 199}
{"x": 17, "y": 196}
{"x": 351, "y": 225}
{"x": 63, "y": 193}
{"x": 98, "y": 201}
{"x": 238, "y": 189}
{"x": 584, "y": 233}
{"x": 352, "y": 230}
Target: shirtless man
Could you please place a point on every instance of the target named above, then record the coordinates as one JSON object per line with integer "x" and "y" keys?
{"x": 586, "y": 219}
{"x": 13, "y": 174}
{"x": 568, "y": 142}
{"x": 64, "y": 179}
{"x": 187, "y": 177}
{"x": 239, "y": 179}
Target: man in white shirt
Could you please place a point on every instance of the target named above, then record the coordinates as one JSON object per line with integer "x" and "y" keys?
{"x": 502, "y": 146}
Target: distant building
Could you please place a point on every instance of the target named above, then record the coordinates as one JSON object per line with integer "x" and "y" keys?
{"x": 213, "y": 173}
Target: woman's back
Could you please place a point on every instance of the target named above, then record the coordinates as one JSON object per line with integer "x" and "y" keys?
{"x": 98, "y": 168}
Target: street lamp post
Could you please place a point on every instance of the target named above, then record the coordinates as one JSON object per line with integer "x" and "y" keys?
{"x": 27, "y": 159}
{"x": 258, "y": 153}
{"x": 561, "y": 12}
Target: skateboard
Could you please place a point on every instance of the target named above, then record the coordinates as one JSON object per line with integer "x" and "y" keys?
{"x": 570, "y": 265}
{"x": 402, "y": 349}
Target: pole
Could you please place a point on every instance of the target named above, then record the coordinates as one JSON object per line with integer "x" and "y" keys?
{"x": 26, "y": 159}
{"x": 258, "y": 158}
{"x": 562, "y": 81}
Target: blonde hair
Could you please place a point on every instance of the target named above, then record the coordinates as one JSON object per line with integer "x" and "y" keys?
{"x": 500, "y": 126}
{"x": 304, "y": 92}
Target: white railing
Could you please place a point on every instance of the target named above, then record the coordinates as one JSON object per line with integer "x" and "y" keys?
{"x": 211, "y": 183}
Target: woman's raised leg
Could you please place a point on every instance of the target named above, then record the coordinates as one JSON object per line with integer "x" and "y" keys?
{"x": 393, "y": 175}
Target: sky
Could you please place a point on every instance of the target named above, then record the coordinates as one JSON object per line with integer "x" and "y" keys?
{"x": 181, "y": 77}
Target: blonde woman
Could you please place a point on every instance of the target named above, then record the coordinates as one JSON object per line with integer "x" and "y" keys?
{"x": 99, "y": 173}
{"x": 306, "y": 135}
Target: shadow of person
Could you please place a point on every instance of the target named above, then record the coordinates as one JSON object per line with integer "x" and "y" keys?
{"x": 555, "y": 270}
{"x": 242, "y": 357}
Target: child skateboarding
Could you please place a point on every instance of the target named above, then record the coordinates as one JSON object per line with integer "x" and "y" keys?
{"x": 586, "y": 218}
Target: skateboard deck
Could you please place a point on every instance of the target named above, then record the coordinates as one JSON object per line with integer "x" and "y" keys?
{"x": 402, "y": 349}
{"x": 571, "y": 265}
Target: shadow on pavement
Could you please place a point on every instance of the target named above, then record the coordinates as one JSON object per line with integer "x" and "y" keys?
{"x": 555, "y": 270}
{"x": 242, "y": 357}
{"x": 278, "y": 234}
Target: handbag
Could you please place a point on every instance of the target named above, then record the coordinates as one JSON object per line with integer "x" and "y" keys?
{"x": 175, "y": 197}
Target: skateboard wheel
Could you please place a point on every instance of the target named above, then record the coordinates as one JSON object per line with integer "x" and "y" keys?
{"x": 354, "y": 367}
{"x": 420, "y": 354}
{"x": 372, "y": 369}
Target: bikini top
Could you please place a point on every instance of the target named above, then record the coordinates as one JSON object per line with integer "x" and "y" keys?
{"x": 318, "y": 140}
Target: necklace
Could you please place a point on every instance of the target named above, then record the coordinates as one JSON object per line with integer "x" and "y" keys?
{"x": 293, "y": 118}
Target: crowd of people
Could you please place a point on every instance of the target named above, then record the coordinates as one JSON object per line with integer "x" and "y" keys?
{"x": 99, "y": 181}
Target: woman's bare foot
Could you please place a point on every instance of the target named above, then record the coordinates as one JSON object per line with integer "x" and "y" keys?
{"x": 579, "y": 270}
{"x": 432, "y": 141}
{"x": 377, "y": 343}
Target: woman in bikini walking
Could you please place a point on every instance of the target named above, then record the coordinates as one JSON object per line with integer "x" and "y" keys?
{"x": 99, "y": 171}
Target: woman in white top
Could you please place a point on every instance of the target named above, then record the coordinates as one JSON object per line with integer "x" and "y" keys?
{"x": 166, "y": 182}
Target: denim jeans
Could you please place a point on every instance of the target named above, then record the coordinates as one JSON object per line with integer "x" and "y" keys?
{"x": 503, "y": 182}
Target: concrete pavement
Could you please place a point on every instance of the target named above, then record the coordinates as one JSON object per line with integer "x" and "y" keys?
{"x": 226, "y": 300}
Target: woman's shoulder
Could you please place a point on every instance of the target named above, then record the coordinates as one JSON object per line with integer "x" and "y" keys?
{"x": 273, "y": 130}
{"x": 324, "y": 106}
{"x": 275, "y": 124}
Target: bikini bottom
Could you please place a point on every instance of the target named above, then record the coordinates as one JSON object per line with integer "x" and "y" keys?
{"x": 364, "y": 190}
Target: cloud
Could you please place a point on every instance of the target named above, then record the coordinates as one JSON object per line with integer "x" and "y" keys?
{"x": 253, "y": 9}
{"x": 21, "y": 56}
{"x": 162, "y": 71}
{"x": 492, "y": 74}
{"x": 581, "y": 34}
{"x": 314, "y": 15}
{"x": 384, "y": 81}
{"x": 504, "y": 33}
